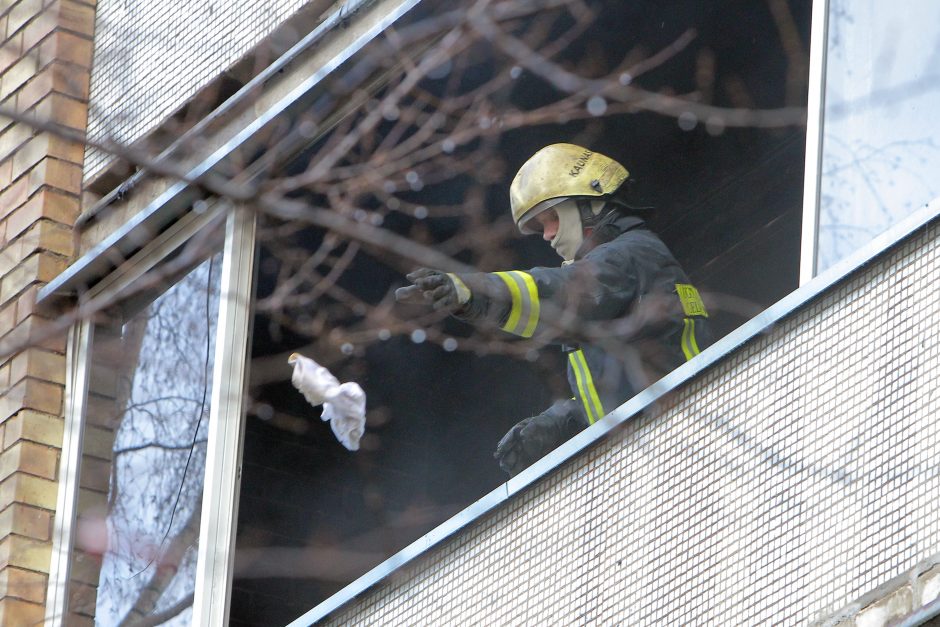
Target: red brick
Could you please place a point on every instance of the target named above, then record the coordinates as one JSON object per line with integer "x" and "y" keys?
{"x": 47, "y": 204}
{"x": 32, "y": 394}
{"x": 10, "y": 52}
{"x": 38, "y": 267}
{"x": 68, "y": 47}
{"x": 32, "y": 459}
{"x": 25, "y": 585}
{"x": 13, "y": 197}
{"x": 17, "y": 74}
{"x": 23, "y": 12}
{"x": 63, "y": 110}
{"x": 56, "y": 173}
{"x": 17, "y": 612}
{"x": 39, "y": 364}
{"x": 57, "y": 77}
{"x": 35, "y": 427}
{"x": 33, "y": 331}
{"x": 75, "y": 16}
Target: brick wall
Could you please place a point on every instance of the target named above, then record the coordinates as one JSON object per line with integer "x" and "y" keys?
{"x": 45, "y": 60}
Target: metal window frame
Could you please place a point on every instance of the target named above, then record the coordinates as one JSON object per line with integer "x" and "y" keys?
{"x": 815, "y": 120}
{"x": 216, "y": 556}
{"x": 226, "y": 422}
{"x": 63, "y": 531}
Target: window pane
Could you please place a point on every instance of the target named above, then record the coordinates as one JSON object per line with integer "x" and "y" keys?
{"x": 144, "y": 457}
{"x": 881, "y": 143}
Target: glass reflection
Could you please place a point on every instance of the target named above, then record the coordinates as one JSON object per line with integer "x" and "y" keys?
{"x": 144, "y": 458}
{"x": 881, "y": 142}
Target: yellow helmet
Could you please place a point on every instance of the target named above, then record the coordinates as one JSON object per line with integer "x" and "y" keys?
{"x": 557, "y": 172}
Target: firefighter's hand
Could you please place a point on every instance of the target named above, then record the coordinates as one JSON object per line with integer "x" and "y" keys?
{"x": 529, "y": 441}
{"x": 430, "y": 287}
{"x": 510, "y": 453}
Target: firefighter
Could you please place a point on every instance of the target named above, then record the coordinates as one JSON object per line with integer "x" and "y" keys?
{"x": 620, "y": 305}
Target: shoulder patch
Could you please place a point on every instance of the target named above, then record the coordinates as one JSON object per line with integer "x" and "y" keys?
{"x": 692, "y": 303}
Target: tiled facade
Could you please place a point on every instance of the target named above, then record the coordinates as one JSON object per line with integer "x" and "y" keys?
{"x": 45, "y": 60}
{"x": 152, "y": 57}
{"x": 786, "y": 482}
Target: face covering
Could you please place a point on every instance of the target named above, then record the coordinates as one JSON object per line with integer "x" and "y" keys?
{"x": 570, "y": 234}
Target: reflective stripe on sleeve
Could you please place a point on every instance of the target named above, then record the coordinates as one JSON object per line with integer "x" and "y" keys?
{"x": 689, "y": 345}
{"x": 582, "y": 376}
{"x": 524, "y": 312}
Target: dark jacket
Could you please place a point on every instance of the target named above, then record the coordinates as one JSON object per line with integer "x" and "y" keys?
{"x": 623, "y": 311}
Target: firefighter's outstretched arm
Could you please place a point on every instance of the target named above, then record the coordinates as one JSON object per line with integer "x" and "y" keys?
{"x": 434, "y": 288}
{"x": 473, "y": 297}
{"x": 532, "y": 438}
{"x": 525, "y": 303}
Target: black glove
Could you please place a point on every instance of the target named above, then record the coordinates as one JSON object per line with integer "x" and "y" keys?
{"x": 441, "y": 291}
{"x": 532, "y": 438}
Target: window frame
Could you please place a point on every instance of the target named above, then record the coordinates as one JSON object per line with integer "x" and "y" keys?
{"x": 815, "y": 110}
{"x": 226, "y": 417}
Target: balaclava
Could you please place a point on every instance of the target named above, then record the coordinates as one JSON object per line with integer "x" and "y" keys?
{"x": 570, "y": 234}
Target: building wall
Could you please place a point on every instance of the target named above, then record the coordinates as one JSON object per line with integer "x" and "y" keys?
{"x": 792, "y": 478}
{"x": 44, "y": 69}
{"x": 152, "y": 57}
{"x": 736, "y": 493}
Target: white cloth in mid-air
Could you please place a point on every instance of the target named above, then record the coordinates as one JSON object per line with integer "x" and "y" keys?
{"x": 344, "y": 405}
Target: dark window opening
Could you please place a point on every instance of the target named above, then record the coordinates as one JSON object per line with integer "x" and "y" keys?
{"x": 314, "y": 516}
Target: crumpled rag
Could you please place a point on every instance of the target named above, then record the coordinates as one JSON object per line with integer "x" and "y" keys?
{"x": 344, "y": 405}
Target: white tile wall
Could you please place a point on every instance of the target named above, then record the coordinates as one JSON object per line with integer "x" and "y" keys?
{"x": 152, "y": 56}
{"x": 797, "y": 475}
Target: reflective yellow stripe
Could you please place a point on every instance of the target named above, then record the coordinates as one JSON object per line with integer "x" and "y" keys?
{"x": 692, "y": 342}
{"x": 689, "y": 345}
{"x": 693, "y": 306}
{"x": 516, "y": 311}
{"x": 579, "y": 379}
{"x": 685, "y": 340}
{"x": 534, "y": 306}
{"x": 582, "y": 376}
{"x": 524, "y": 310}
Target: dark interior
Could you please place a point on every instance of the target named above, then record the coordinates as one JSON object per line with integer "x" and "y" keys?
{"x": 727, "y": 202}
